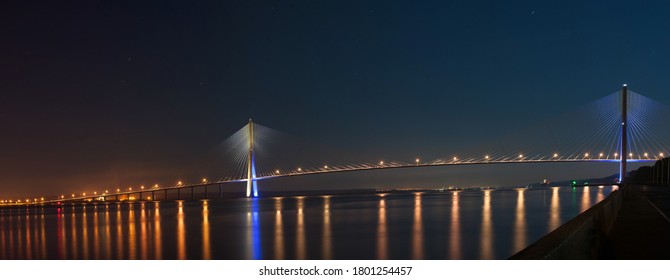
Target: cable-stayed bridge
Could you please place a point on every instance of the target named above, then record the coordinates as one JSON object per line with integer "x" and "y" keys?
{"x": 621, "y": 127}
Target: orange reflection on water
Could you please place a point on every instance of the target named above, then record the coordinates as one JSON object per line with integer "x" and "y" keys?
{"x": 73, "y": 228}
{"x": 455, "y": 234}
{"x": 119, "y": 233}
{"x": 96, "y": 234}
{"x": 600, "y": 196}
{"x": 11, "y": 237}
{"x": 206, "y": 249}
{"x": 3, "y": 253}
{"x": 144, "y": 238}
{"x": 132, "y": 233}
{"x": 43, "y": 237}
{"x": 520, "y": 237}
{"x": 486, "y": 228}
{"x": 61, "y": 234}
{"x": 554, "y": 210}
{"x": 181, "y": 232}
{"x": 279, "y": 230}
{"x": 326, "y": 237}
{"x": 382, "y": 231}
{"x": 84, "y": 234}
{"x": 301, "y": 248}
{"x": 108, "y": 235}
{"x": 417, "y": 229}
{"x": 586, "y": 199}
{"x": 28, "y": 239}
{"x": 158, "y": 238}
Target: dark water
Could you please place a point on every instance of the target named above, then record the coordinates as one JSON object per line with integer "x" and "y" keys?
{"x": 472, "y": 224}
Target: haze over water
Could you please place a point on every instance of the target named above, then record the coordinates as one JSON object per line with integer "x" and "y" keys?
{"x": 469, "y": 224}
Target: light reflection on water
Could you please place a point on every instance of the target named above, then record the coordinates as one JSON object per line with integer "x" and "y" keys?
{"x": 468, "y": 224}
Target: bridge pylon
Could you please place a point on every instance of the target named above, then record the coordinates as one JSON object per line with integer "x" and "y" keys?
{"x": 624, "y": 137}
{"x": 252, "y": 187}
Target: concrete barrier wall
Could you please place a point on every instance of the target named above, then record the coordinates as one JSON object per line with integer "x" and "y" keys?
{"x": 581, "y": 237}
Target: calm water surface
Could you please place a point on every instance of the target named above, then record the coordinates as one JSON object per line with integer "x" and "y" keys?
{"x": 471, "y": 224}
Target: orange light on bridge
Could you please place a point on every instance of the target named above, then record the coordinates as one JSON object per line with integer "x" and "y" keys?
{"x": 520, "y": 155}
{"x": 586, "y": 155}
{"x": 616, "y": 155}
{"x": 106, "y": 191}
{"x": 646, "y": 155}
{"x": 178, "y": 183}
{"x": 72, "y": 195}
{"x": 277, "y": 171}
{"x": 130, "y": 189}
{"x": 630, "y": 155}
{"x": 156, "y": 185}
{"x": 204, "y": 180}
{"x": 299, "y": 169}
{"x": 486, "y": 157}
{"x": 142, "y": 187}
{"x": 381, "y": 162}
{"x": 455, "y": 158}
{"x": 600, "y": 155}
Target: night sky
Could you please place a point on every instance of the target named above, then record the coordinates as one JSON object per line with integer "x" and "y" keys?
{"x": 120, "y": 93}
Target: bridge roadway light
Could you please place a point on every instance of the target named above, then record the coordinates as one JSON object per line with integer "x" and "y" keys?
{"x": 520, "y": 155}
{"x": 130, "y": 189}
{"x": 381, "y": 162}
{"x": 118, "y": 190}
{"x": 72, "y": 195}
{"x": 204, "y": 180}
{"x": 600, "y": 155}
{"x": 455, "y": 158}
{"x": 141, "y": 187}
{"x": 616, "y": 155}
{"x": 299, "y": 169}
{"x": 646, "y": 155}
{"x": 486, "y": 157}
{"x": 179, "y": 183}
{"x": 555, "y": 155}
{"x": 156, "y": 185}
{"x": 277, "y": 171}
{"x": 325, "y": 167}
{"x": 417, "y": 161}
